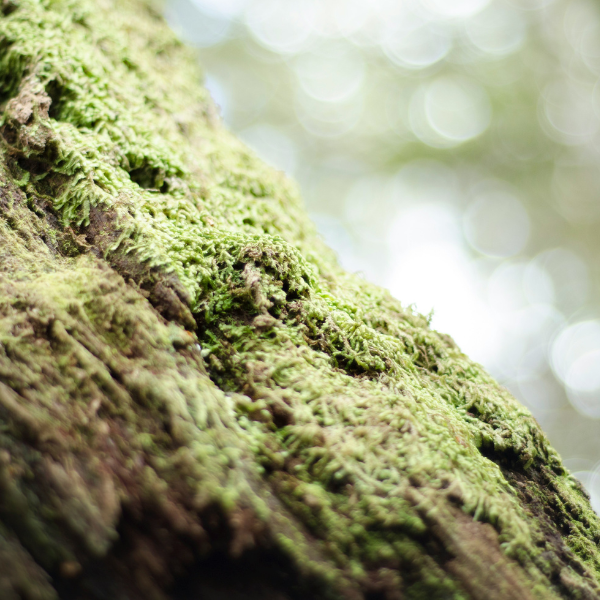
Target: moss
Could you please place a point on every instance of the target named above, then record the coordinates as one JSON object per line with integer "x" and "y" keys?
{"x": 185, "y": 368}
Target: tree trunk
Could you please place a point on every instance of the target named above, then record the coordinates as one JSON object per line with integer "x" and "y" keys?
{"x": 196, "y": 402}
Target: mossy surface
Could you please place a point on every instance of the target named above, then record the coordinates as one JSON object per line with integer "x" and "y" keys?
{"x": 189, "y": 382}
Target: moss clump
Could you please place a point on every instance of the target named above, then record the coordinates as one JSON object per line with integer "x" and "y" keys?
{"x": 189, "y": 382}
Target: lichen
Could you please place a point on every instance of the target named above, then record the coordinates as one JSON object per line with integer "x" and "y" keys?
{"x": 178, "y": 347}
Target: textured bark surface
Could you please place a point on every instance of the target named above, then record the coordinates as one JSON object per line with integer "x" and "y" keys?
{"x": 196, "y": 402}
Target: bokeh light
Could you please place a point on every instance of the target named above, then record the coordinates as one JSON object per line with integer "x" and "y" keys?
{"x": 449, "y": 111}
{"x": 448, "y": 151}
{"x": 498, "y": 30}
{"x": 416, "y": 42}
{"x": 284, "y": 27}
{"x": 496, "y": 223}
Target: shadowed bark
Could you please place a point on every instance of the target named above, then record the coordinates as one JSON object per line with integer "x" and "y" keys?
{"x": 196, "y": 402}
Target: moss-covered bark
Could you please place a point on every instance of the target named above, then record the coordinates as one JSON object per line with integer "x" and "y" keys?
{"x": 195, "y": 401}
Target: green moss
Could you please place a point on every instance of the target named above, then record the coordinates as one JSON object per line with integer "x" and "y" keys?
{"x": 298, "y": 392}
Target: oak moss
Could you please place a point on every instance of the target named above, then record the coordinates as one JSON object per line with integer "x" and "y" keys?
{"x": 184, "y": 368}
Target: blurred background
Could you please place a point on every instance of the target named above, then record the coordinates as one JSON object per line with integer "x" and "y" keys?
{"x": 449, "y": 151}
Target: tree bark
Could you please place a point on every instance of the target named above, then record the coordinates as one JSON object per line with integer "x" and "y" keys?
{"x": 196, "y": 402}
